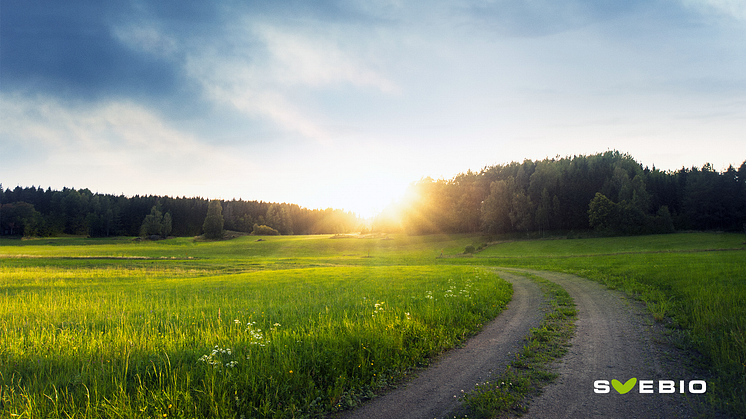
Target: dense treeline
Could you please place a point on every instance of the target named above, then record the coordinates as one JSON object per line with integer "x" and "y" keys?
{"x": 609, "y": 192}
{"x": 32, "y": 211}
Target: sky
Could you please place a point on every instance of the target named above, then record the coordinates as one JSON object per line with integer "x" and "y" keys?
{"x": 344, "y": 103}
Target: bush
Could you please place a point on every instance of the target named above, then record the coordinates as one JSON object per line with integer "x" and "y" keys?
{"x": 263, "y": 230}
{"x": 469, "y": 249}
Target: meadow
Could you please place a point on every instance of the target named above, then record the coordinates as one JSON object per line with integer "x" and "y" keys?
{"x": 285, "y": 327}
{"x": 300, "y": 326}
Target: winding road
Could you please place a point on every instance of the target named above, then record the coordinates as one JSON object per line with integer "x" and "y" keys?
{"x": 615, "y": 339}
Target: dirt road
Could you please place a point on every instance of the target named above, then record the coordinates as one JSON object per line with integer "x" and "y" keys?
{"x": 615, "y": 339}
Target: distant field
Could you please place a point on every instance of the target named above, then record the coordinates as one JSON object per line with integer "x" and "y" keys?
{"x": 294, "y": 325}
{"x": 553, "y": 248}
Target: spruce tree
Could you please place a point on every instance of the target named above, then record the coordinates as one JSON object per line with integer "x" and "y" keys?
{"x": 213, "y": 225}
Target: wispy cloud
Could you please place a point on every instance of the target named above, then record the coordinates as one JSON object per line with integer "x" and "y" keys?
{"x": 317, "y": 59}
{"x": 116, "y": 144}
{"x": 146, "y": 38}
{"x": 732, "y": 8}
{"x": 268, "y": 67}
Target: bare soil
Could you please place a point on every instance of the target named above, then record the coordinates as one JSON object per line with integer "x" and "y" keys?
{"x": 616, "y": 338}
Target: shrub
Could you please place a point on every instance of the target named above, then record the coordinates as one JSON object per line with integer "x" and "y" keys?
{"x": 263, "y": 230}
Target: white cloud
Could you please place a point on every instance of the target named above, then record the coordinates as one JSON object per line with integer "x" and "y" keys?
{"x": 146, "y": 38}
{"x": 317, "y": 59}
{"x": 111, "y": 146}
{"x": 268, "y": 67}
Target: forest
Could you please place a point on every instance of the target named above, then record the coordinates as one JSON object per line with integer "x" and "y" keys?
{"x": 609, "y": 193}
{"x": 33, "y": 211}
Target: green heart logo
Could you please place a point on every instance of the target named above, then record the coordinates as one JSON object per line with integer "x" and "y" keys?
{"x": 624, "y": 388}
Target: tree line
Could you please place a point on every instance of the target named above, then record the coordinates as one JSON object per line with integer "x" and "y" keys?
{"x": 608, "y": 192}
{"x": 32, "y": 211}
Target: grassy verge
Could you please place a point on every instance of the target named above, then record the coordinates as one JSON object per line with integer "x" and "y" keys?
{"x": 530, "y": 370}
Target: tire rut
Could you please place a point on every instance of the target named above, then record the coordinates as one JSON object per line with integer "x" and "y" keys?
{"x": 431, "y": 393}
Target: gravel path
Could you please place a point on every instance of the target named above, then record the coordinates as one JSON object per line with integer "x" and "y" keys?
{"x": 615, "y": 339}
{"x": 431, "y": 393}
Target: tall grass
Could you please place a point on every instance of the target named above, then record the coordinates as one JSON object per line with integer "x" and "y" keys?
{"x": 146, "y": 340}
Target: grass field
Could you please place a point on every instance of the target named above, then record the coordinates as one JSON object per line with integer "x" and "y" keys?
{"x": 286, "y": 327}
{"x": 301, "y": 325}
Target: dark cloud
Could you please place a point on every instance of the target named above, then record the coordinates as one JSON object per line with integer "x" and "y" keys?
{"x": 67, "y": 49}
{"x": 71, "y": 49}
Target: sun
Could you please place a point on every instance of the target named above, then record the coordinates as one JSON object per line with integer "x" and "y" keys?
{"x": 371, "y": 199}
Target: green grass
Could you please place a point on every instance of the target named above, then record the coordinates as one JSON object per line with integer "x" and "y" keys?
{"x": 252, "y": 330}
{"x": 117, "y": 328}
{"x": 271, "y": 250}
{"x": 558, "y": 248}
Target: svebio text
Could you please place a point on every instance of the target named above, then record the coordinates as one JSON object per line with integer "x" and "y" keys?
{"x": 664, "y": 386}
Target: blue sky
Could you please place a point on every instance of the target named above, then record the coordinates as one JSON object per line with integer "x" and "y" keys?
{"x": 344, "y": 103}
